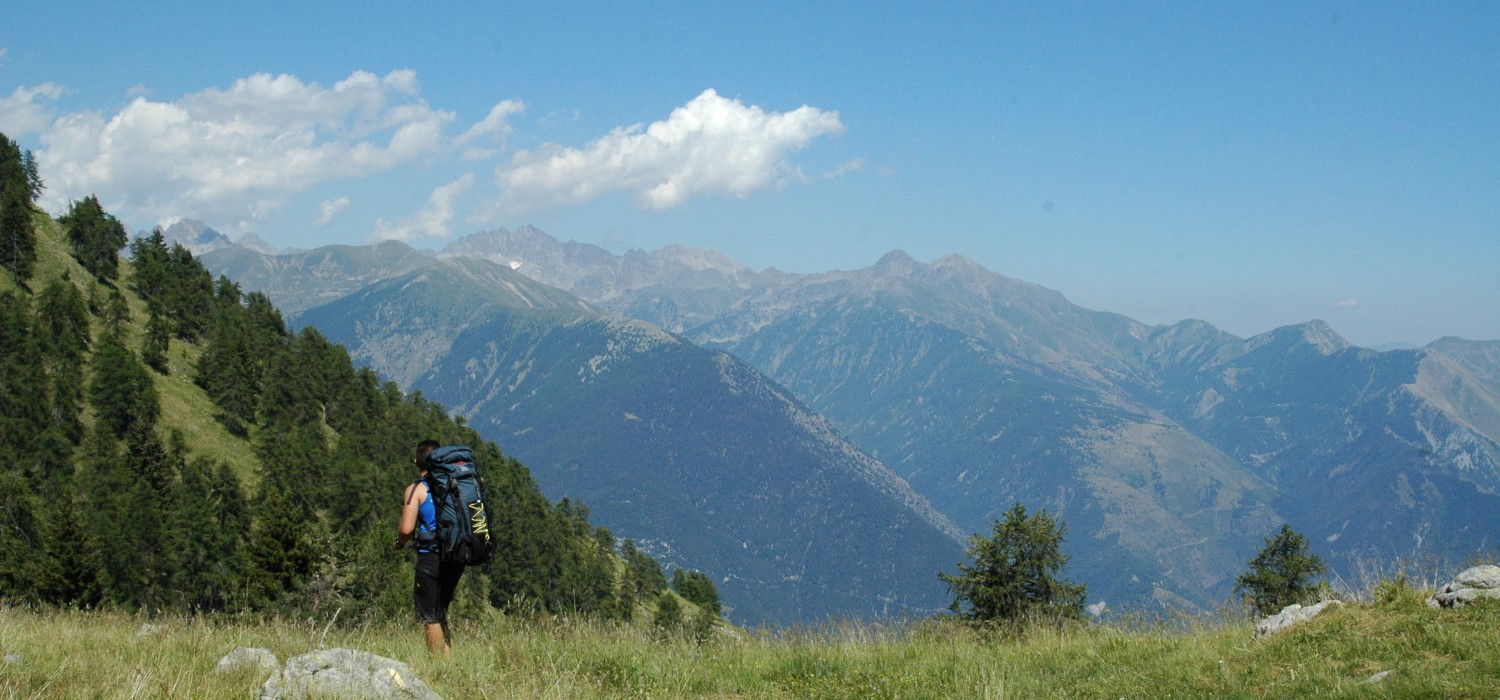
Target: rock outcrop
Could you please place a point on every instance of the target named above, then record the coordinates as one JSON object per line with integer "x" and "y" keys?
{"x": 345, "y": 673}
{"x": 1290, "y": 615}
{"x": 1471, "y": 585}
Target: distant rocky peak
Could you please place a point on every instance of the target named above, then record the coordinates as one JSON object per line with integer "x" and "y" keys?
{"x": 699, "y": 258}
{"x": 256, "y": 243}
{"x": 196, "y": 236}
{"x": 896, "y": 264}
{"x": 1314, "y": 334}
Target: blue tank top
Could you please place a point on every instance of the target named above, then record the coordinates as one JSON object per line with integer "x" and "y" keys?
{"x": 426, "y": 520}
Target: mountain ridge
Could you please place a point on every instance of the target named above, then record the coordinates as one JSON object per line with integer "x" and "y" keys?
{"x": 1171, "y": 449}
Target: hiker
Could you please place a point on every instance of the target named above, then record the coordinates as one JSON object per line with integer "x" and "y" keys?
{"x": 436, "y": 579}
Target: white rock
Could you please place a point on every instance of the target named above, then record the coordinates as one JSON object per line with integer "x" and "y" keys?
{"x": 1289, "y": 616}
{"x": 345, "y": 673}
{"x": 1469, "y": 586}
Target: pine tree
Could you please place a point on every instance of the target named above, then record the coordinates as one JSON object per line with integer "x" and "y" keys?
{"x": 115, "y": 315}
{"x": 668, "y": 617}
{"x": 70, "y": 568}
{"x": 643, "y": 574}
{"x": 17, "y": 234}
{"x": 121, "y": 390}
{"x": 104, "y": 485}
{"x": 1280, "y": 574}
{"x": 208, "y": 515}
{"x": 697, "y": 588}
{"x": 95, "y": 236}
{"x": 148, "y": 255}
{"x": 19, "y": 536}
{"x": 23, "y": 395}
{"x": 1015, "y": 572}
{"x": 188, "y": 297}
{"x": 62, "y": 323}
{"x": 34, "y": 184}
{"x": 280, "y": 553}
{"x": 155, "y": 344}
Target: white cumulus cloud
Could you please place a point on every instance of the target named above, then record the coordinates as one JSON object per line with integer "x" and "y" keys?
{"x": 22, "y": 112}
{"x": 711, "y": 145}
{"x": 490, "y": 131}
{"x": 1346, "y": 303}
{"x": 432, "y": 220}
{"x": 232, "y": 155}
{"x": 329, "y": 209}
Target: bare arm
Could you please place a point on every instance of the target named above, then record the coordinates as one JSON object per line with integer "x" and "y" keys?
{"x": 413, "y": 500}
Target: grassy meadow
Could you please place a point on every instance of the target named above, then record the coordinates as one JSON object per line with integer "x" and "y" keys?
{"x": 1428, "y": 653}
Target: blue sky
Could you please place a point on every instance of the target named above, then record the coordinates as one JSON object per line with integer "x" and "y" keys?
{"x": 1250, "y": 164}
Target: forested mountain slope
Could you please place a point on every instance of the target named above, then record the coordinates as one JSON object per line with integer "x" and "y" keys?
{"x": 169, "y": 445}
{"x": 687, "y": 450}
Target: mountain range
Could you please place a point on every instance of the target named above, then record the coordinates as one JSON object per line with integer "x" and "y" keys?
{"x": 922, "y": 399}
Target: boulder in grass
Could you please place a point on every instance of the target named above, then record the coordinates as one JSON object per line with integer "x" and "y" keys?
{"x": 345, "y": 673}
{"x": 243, "y": 658}
{"x": 1471, "y": 585}
{"x": 1290, "y": 615}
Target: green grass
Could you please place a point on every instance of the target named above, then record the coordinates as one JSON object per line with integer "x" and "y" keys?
{"x": 1430, "y": 653}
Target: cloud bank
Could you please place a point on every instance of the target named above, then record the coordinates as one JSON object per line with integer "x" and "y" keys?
{"x": 711, "y": 145}
{"x": 235, "y": 155}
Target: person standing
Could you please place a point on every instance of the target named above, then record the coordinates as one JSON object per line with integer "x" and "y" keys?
{"x": 436, "y": 580}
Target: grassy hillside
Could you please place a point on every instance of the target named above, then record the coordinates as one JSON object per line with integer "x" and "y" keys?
{"x": 183, "y": 404}
{"x": 1429, "y": 653}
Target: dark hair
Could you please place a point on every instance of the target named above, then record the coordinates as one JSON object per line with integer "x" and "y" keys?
{"x": 425, "y": 448}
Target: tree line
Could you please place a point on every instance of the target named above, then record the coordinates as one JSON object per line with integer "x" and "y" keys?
{"x": 102, "y": 503}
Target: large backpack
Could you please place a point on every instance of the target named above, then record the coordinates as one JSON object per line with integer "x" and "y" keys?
{"x": 463, "y": 516}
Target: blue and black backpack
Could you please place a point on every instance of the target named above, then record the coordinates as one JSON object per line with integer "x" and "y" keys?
{"x": 463, "y": 516}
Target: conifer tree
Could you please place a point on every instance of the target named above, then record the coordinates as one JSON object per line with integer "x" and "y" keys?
{"x": 95, "y": 236}
{"x": 668, "y": 617}
{"x": 62, "y": 323}
{"x": 643, "y": 574}
{"x": 34, "y": 184}
{"x": 156, "y": 342}
{"x": 115, "y": 314}
{"x": 697, "y": 588}
{"x": 188, "y": 297}
{"x": 104, "y": 487}
{"x": 19, "y": 536}
{"x": 1281, "y": 573}
{"x": 208, "y": 517}
{"x": 121, "y": 390}
{"x": 148, "y": 255}
{"x": 23, "y": 395}
{"x": 69, "y": 570}
{"x": 280, "y": 555}
{"x": 17, "y": 234}
{"x": 1015, "y": 571}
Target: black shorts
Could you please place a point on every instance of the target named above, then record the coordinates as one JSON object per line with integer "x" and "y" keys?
{"x": 435, "y": 585}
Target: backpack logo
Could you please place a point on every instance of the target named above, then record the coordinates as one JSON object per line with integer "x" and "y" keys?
{"x": 478, "y": 524}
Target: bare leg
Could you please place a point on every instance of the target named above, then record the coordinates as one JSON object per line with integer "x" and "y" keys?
{"x": 437, "y": 638}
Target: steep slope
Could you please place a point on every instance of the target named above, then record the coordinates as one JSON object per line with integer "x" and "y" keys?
{"x": 687, "y": 450}
{"x": 1153, "y": 511}
{"x": 1378, "y": 454}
